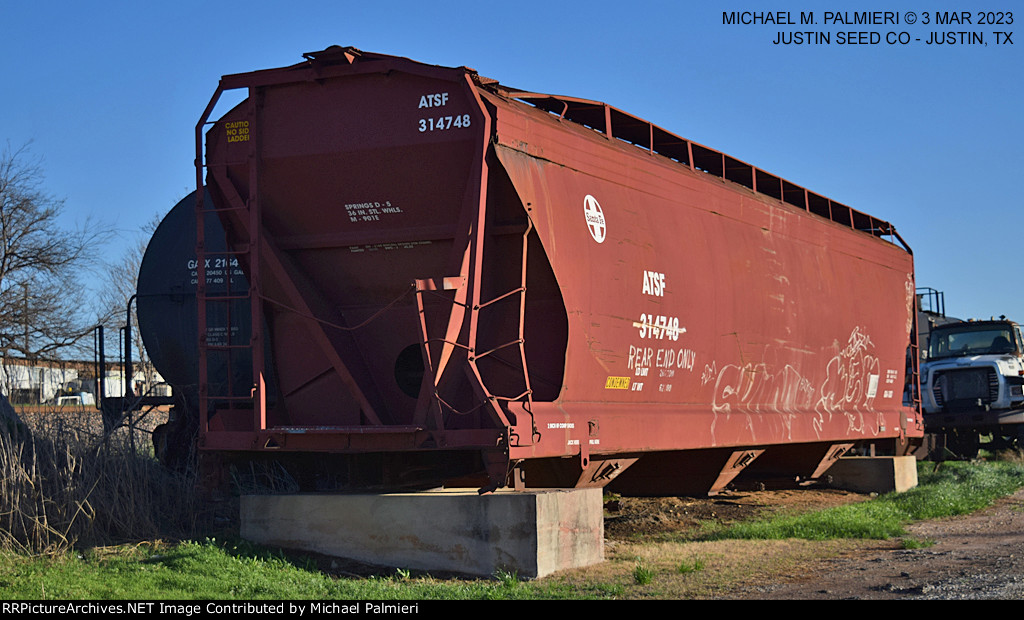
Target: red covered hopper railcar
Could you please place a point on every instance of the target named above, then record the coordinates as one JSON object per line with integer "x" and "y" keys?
{"x": 452, "y": 281}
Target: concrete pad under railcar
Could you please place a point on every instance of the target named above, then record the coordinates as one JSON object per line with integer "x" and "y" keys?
{"x": 532, "y": 533}
{"x": 874, "y": 474}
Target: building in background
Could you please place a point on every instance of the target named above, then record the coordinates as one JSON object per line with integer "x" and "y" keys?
{"x": 34, "y": 382}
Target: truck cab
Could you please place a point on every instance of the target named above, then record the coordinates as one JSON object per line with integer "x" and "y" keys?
{"x": 973, "y": 384}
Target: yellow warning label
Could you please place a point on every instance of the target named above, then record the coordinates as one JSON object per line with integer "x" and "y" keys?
{"x": 617, "y": 383}
{"x": 237, "y": 131}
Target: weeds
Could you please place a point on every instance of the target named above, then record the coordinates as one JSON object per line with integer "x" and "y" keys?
{"x": 62, "y": 487}
{"x": 915, "y": 543}
{"x": 642, "y": 574}
{"x": 508, "y": 579}
{"x": 693, "y": 566}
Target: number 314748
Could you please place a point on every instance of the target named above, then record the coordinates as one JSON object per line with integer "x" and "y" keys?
{"x": 443, "y": 123}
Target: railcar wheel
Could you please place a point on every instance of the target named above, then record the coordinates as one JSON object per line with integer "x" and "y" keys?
{"x": 174, "y": 442}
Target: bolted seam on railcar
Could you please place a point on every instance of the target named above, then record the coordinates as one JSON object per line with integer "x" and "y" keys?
{"x": 443, "y": 265}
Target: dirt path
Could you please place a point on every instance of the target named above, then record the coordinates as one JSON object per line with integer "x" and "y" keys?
{"x": 979, "y": 556}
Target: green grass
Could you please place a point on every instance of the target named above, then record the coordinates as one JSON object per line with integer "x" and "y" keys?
{"x": 236, "y": 570}
{"x": 952, "y": 488}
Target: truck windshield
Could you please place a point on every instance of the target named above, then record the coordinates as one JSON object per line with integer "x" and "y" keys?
{"x": 981, "y": 340}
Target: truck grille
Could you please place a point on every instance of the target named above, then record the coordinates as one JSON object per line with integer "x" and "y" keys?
{"x": 967, "y": 387}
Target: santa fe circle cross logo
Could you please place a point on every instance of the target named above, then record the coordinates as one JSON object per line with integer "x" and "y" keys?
{"x": 595, "y": 218}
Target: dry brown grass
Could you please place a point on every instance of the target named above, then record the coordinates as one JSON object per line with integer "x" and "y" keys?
{"x": 64, "y": 483}
{"x": 713, "y": 569}
{"x": 1010, "y": 456}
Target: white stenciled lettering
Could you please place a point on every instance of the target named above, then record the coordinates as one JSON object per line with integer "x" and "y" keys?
{"x": 642, "y": 359}
{"x": 659, "y": 327}
{"x": 654, "y": 283}
{"x": 433, "y": 100}
{"x": 370, "y": 211}
{"x": 639, "y": 359}
{"x": 444, "y": 123}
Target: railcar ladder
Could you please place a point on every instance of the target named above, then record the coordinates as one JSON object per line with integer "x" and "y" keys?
{"x": 913, "y": 371}
{"x": 228, "y": 395}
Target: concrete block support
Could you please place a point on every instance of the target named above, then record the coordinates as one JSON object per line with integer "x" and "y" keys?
{"x": 874, "y": 474}
{"x": 533, "y": 533}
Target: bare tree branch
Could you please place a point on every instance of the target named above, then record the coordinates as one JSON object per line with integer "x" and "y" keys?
{"x": 119, "y": 287}
{"x": 42, "y": 265}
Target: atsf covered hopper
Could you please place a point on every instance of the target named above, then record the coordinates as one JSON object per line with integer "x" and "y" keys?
{"x": 452, "y": 280}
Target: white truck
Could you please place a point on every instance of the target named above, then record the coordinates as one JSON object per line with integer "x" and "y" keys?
{"x": 972, "y": 385}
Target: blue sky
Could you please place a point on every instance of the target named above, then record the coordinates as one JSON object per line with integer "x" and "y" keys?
{"x": 930, "y": 138}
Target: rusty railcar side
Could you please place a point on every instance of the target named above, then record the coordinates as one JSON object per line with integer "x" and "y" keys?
{"x": 461, "y": 281}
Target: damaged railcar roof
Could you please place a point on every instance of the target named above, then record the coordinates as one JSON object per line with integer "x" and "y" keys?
{"x": 616, "y": 124}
